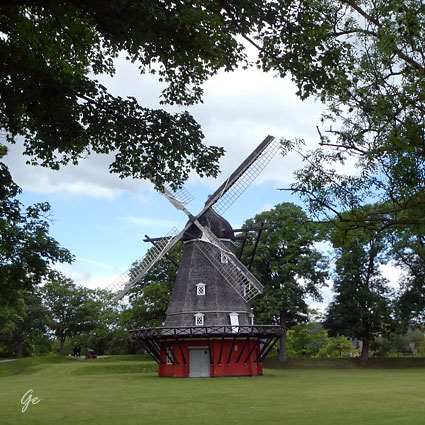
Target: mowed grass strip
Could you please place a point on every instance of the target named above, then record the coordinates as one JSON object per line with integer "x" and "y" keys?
{"x": 290, "y": 397}
{"x": 29, "y": 364}
{"x": 116, "y": 368}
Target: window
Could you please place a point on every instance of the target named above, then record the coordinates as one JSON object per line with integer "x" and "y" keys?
{"x": 200, "y": 289}
{"x": 224, "y": 258}
{"x": 169, "y": 355}
{"x": 234, "y": 321}
{"x": 251, "y": 316}
{"x": 199, "y": 319}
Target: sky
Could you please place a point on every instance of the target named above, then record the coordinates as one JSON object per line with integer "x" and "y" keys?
{"x": 103, "y": 219}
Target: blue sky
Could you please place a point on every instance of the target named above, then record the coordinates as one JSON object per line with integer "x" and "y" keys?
{"x": 102, "y": 219}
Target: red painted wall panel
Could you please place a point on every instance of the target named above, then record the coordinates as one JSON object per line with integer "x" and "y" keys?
{"x": 228, "y": 357}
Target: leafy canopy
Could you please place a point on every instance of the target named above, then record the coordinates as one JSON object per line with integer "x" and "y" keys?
{"x": 51, "y": 53}
{"x": 149, "y": 298}
{"x": 375, "y": 98}
{"x": 365, "y": 60}
{"x": 362, "y": 305}
{"x": 286, "y": 262}
{"x": 72, "y": 308}
{"x": 27, "y": 251}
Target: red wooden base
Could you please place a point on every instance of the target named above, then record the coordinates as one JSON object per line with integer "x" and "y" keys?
{"x": 227, "y": 357}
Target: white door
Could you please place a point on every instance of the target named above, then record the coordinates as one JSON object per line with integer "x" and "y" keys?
{"x": 199, "y": 363}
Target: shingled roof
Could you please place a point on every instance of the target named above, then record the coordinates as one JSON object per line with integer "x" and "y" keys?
{"x": 216, "y": 223}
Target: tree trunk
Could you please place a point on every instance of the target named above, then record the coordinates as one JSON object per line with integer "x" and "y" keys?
{"x": 282, "y": 348}
{"x": 20, "y": 346}
{"x": 364, "y": 355}
{"x": 62, "y": 340}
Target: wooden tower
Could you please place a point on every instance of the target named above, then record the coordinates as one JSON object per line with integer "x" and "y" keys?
{"x": 209, "y": 329}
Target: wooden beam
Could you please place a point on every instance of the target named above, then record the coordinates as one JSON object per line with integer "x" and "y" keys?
{"x": 263, "y": 354}
{"x": 221, "y": 351}
{"x": 231, "y": 350}
{"x": 209, "y": 349}
{"x": 181, "y": 351}
{"x": 249, "y": 229}
{"x": 153, "y": 242}
{"x": 256, "y": 246}
{"x": 262, "y": 350}
{"x": 148, "y": 350}
{"x": 243, "y": 349}
{"x": 250, "y": 352}
{"x": 154, "y": 350}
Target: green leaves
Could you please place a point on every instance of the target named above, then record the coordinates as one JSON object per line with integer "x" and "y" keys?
{"x": 149, "y": 298}
{"x": 364, "y": 60}
{"x": 377, "y": 108}
{"x": 286, "y": 263}
{"x": 362, "y": 306}
{"x": 26, "y": 249}
{"x": 50, "y": 97}
{"x": 73, "y": 309}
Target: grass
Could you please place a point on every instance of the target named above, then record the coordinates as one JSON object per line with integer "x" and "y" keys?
{"x": 121, "y": 391}
{"x": 29, "y": 365}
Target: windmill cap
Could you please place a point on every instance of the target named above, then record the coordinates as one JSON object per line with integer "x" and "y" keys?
{"x": 216, "y": 223}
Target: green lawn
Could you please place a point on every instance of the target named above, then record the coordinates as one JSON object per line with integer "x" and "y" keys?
{"x": 120, "y": 391}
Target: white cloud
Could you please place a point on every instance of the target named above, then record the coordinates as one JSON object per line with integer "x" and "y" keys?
{"x": 90, "y": 177}
{"x": 81, "y": 275}
{"x": 265, "y": 207}
{"x": 239, "y": 110}
{"x": 100, "y": 281}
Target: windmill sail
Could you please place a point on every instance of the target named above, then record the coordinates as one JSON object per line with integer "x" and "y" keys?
{"x": 181, "y": 194}
{"x": 232, "y": 270}
{"x": 133, "y": 275}
{"x": 212, "y": 290}
{"x": 247, "y": 172}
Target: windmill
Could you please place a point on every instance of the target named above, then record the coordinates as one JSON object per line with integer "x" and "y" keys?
{"x": 209, "y": 328}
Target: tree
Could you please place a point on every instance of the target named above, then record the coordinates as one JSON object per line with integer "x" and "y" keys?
{"x": 63, "y": 47}
{"x": 105, "y": 322}
{"x": 415, "y": 339}
{"x": 27, "y": 252}
{"x": 337, "y": 347}
{"x": 375, "y": 98}
{"x": 408, "y": 250}
{"x": 421, "y": 349}
{"x": 23, "y": 325}
{"x": 33, "y": 322}
{"x": 364, "y": 60}
{"x": 72, "y": 310}
{"x": 306, "y": 339}
{"x": 361, "y": 307}
{"x": 287, "y": 264}
{"x": 10, "y": 316}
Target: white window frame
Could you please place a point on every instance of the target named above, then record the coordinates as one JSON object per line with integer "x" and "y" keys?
{"x": 251, "y": 316}
{"x": 234, "y": 321}
{"x": 223, "y": 258}
{"x": 199, "y": 317}
{"x": 200, "y": 288}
